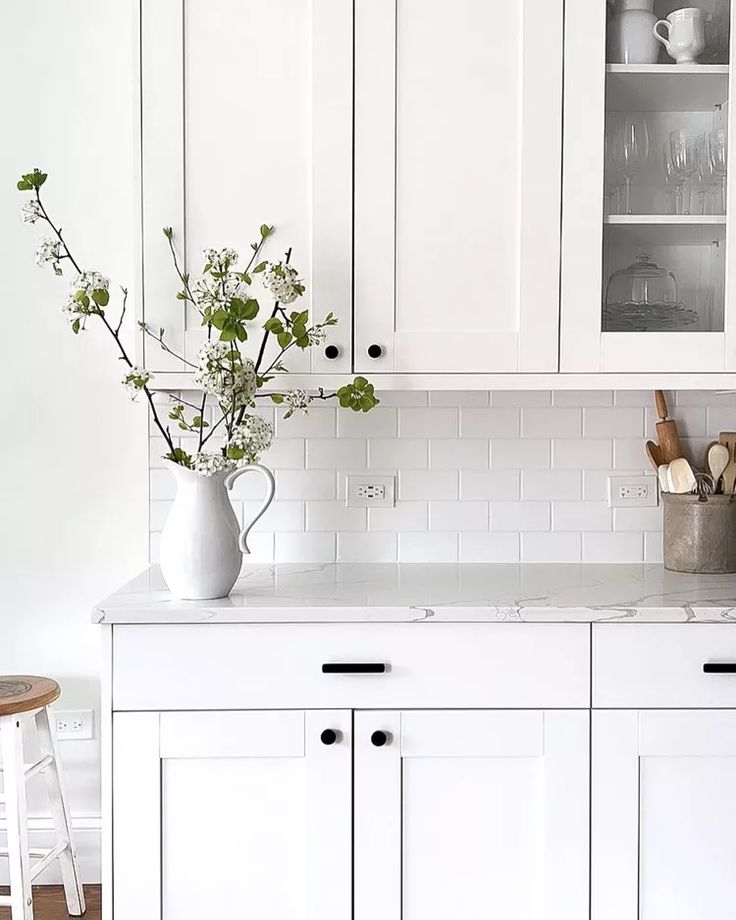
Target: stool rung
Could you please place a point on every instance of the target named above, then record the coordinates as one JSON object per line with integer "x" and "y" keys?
{"x": 48, "y": 857}
{"x": 39, "y": 766}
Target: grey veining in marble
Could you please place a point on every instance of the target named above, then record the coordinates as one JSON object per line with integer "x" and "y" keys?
{"x": 384, "y": 593}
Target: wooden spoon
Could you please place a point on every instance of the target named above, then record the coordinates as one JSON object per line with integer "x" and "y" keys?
{"x": 654, "y": 454}
{"x": 728, "y": 439}
{"x": 716, "y": 461}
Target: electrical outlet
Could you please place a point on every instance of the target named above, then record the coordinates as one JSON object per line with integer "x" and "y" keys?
{"x": 75, "y": 725}
{"x": 632, "y": 491}
{"x": 370, "y": 491}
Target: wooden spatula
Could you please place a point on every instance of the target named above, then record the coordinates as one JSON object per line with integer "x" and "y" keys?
{"x": 728, "y": 438}
{"x": 667, "y": 435}
{"x": 654, "y": 454}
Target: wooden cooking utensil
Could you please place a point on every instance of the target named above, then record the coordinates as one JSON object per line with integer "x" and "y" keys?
{"x": 664, "y": 482}
{"x": 654, "y": 454}
{"x": 728, "y": 439}
{"x": 716, "y": 461}
{"x": 669, "y": 439}
{"x": 680, "y": 477}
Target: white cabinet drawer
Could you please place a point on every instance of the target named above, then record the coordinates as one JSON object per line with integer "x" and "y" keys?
{"x": 641, "y": 665}
{"x": 238, "y": 666}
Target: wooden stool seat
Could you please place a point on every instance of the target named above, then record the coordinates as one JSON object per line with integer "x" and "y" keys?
{"x": 21, "y": 693}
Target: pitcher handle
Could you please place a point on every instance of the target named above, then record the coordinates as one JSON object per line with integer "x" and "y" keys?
{"x": 270, "y": 490}
{"x": 661, "y": 38}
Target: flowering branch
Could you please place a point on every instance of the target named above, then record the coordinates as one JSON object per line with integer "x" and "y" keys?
{"x": 224, "y": 298}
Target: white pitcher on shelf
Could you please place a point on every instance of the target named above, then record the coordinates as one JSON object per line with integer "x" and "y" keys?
{"x": 685, "y": 40}
{"x": 630, "y": 36}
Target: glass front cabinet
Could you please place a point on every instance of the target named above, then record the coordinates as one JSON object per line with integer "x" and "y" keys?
{"x": 648, "y": 281}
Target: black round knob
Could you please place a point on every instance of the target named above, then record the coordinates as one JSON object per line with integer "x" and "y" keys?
{"x": 329, "y": 736}
{"x": 378, "y": 739}
{"x": 332, "y": 352}
{"x": 375, "y": 351}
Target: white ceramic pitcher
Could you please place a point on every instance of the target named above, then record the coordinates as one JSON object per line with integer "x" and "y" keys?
{"x": 685, "y": 28}
{"x": 630, "y": 38}
{"x": 202, "y": 545}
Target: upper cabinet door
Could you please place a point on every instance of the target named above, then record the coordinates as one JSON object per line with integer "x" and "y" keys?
{"x": 648, "y": 280}
{"x": 471, "y": 814}
{"x": 247, "y": 119}
{"x": 663, "y": 813}
{"x": 457, "y": 185}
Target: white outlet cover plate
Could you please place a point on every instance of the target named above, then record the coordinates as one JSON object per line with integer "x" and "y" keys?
{"x": 643, "y": 491}
{"x": 74, "y": 725}
{"x": 353, "y": 482}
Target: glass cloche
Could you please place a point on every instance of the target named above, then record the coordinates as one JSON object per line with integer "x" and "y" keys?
{"x": 643, "y": 298}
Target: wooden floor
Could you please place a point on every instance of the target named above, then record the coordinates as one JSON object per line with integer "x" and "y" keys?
{"x": 49, "y": 903}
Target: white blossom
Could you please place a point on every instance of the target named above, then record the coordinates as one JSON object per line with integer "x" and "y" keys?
{"x": 90, "y": 281}
{"x": 135, "y": 379}
{"x": 210, "y": 464}
{"x": 215, "y": 292}
{"x": 221, "y": 372}
{"x": 316, "y": 335}
{"x": 297, "y": 399}
{"x": 252, "y": 436}
{"x": 49, "y": 251}
{"x": 30, "y": 212}
{"x": 283, "y": 282}
{"x": 221, "y": 257}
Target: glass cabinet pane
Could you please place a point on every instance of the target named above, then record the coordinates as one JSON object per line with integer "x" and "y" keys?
{"x": 665, "y": 181}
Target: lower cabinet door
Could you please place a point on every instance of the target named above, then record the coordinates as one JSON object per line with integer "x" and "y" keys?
{"x": 232, "y": 814}
{"x": 663, "y": 814}
{"x": 471, "y": 814}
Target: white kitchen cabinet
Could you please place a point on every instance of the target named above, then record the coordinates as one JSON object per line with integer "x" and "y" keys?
{"x": 688, "y": 328}
{"x": 246, "y": 118}
{"x": 663, "y": 813}
{"x": 471, "y": 814}
{"x": 218, "y": 809}
{"x": 457, "y": 185}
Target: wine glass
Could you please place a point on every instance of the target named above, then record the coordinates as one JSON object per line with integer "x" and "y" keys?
{"x": 718, "y": 148}
{"x": 685, "y": 152}
{"x": 672, "y": 179}
{"x": 629, "y": 150}
{"x": 706, "y": 178}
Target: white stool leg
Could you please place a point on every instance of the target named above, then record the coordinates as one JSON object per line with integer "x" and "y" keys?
{"x": 14, "y": 789}
{"x": 62, "y": 824}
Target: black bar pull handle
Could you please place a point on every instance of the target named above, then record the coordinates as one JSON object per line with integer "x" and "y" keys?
{"x": 719, "y": 667}
{"x": 354, "y": 667}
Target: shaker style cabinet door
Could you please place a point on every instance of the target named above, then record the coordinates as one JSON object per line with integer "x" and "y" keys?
{"x": 246, "y": 119}
{"x": 648, "y": 253}
{"x": 663, "y": 814}
{"x": 471, "y": 814}
{"x": 458, "y": 111}
{"x": 225, "y": 814}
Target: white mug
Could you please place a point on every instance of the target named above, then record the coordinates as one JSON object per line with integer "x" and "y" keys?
{"x": 685, "y": 34}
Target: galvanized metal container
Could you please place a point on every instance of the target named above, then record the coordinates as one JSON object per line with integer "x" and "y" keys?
{"x": 699, "y": 537}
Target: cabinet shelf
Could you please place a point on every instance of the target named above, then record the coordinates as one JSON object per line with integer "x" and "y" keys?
{"x": 667, "y": 220}
{"x": 669, "y": 229}
{"x": 665, "y": 87}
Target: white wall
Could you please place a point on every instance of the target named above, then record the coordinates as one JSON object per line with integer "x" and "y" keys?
{"x": 73, "y": 519}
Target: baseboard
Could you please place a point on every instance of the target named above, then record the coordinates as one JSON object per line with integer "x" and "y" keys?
{"x": 87, "y": 834}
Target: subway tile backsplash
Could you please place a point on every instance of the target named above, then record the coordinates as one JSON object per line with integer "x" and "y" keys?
{"x": 501, "y": 477}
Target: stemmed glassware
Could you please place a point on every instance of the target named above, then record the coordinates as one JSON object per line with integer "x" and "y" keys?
{"x": 685, "y": 151}
{"x": 718, "y": 150}
{"x": 629, "y": 151}
{"x": 672, "y": 179}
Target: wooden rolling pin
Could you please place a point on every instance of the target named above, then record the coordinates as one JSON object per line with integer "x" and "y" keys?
{"x": 669, "y": 439}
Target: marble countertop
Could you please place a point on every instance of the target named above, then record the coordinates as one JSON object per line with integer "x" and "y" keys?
{"x": 416, "y": 593}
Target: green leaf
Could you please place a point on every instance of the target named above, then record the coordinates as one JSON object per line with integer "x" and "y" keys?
{"x": 273, "y": 325}
{"x": 284, "y": 339}
{"x": 251, "y": 309}
{"x": 227, "y": 335}
{"x": 266, "y": 231}
{"x": 177, "y": 455}
{"x": 219, "y": 318}
{"x": 24, "y": 186}
{"x": 235, "y": 453}
{"x": 277, "y": 398}
{"x": 261, "y": 267}
{"x": 360, "y": 382}
{"x": 101, "y": 297}
{"x": 76, "y": 326}
{"x": 241, "y": 333}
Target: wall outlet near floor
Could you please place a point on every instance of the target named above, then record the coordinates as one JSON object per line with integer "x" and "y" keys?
{"x": 632, "y": 492}
{"x": 74, "y": 725}
{"x": 370, "y": 491}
